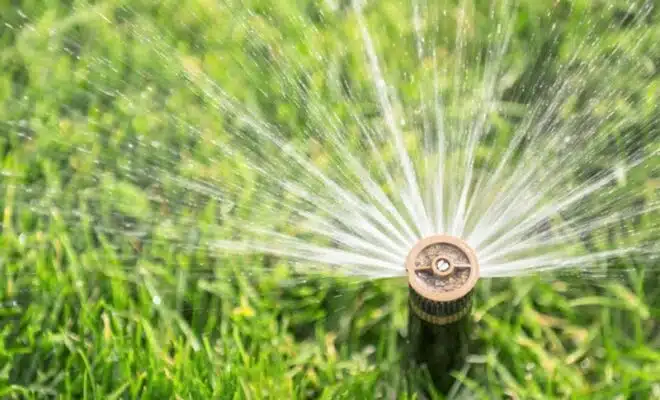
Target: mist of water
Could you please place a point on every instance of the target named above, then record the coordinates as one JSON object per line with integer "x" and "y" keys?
{"x": 369, "y": 131}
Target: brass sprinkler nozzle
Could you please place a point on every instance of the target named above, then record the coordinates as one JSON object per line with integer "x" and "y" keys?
{"x": 442, "y": 271}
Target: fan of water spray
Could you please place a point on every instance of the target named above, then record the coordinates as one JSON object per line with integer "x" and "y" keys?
{"x": 378, "y": 126}
{"x": 370, "y": 139}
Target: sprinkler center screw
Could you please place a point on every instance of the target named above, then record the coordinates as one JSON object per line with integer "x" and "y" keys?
{"x": 442, "y": 266}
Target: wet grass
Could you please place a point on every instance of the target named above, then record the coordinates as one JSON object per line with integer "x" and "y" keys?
{"x": 99, "y": 301}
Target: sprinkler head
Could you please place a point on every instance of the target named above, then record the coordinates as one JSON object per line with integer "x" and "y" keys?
{"x": 442, "y": 271}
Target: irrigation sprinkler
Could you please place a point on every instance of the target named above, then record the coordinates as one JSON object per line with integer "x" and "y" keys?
{"x": 442, "y": 273}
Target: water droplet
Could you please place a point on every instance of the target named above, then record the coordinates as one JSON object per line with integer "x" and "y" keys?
{"x": 585, "y": 363}
{"x": 156, "y": 300}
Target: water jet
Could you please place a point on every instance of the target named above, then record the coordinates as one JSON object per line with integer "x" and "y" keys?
{"x": 442, "y": 272}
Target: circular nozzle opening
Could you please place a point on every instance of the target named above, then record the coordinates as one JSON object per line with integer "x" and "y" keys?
{"x": 442, "y": 268}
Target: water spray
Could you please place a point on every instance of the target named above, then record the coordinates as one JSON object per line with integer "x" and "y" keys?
{"x": 442, "y": 273}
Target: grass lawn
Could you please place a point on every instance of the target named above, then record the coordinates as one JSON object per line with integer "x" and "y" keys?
{"x": 111, "y": 167}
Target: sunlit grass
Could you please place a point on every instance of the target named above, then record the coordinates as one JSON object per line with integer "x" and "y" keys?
{"x": 98, "y": 301}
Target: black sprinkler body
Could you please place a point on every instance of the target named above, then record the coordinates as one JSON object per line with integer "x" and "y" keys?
{"x": 442, "y": 273}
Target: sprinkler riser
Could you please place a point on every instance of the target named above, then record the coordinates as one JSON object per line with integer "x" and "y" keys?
{"x": 439, "y": 304}
{"x": 440, "y": 348}
{"x": 438, "y": 312}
